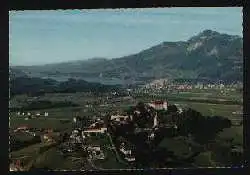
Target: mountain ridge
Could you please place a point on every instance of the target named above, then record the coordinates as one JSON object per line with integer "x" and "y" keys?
{"x": 208, "y": 55}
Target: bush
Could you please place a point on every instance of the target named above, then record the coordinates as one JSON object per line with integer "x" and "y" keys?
{"x": 204, "y": 159}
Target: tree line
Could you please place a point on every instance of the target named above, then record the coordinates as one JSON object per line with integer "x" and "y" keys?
{"x": 39, "y": 86}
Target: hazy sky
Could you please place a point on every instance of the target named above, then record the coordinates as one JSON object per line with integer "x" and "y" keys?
{"x": 40, "y": 37}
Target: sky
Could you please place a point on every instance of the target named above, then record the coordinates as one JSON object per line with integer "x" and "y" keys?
{"x": 51, "y": 36}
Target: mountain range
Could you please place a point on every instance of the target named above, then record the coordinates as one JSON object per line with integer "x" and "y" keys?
{"x": 209, "y": 55}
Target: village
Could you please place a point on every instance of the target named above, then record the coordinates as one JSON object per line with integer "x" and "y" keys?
{"x": 89, "y": 137}
{"x": 85, "y": 134}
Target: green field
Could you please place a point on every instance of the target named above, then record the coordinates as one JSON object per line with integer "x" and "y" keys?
{"x": 208, "y": 109}
{"x": 233, "y": 134}
{"x": 55, "y": 114}
{"x": 39, "y": 123}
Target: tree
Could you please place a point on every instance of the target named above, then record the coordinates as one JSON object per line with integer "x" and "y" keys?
{"x": 172, "y": 109}
{"x": 204, "y": 129}
{"x": 204, "y": 159}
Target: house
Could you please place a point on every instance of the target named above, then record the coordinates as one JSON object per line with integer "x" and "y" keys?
{"x": 151, "y": 136}
{"x": 179, "y": 109}
{"x": 38, "y": 114}
{"x": 96, "y": 125}
{"x": 124, "y": 151}
{"x": 98, "y": 130}
{"x": 130, "y": 159}
{"x": 155, "y": 121}
{"x": 21, "y": 128}
{"x": 16, "y": 166}
{"x": 131, "y": 117}
{"x": 119, "y": 117}
{"x": 79, "y": 122}
{"x": 47, "y": 138}
{"x": 13, "y": 167}
{"x": 74, "y": 119}
{"x": 127, "y": 153}
{"x": 94, "y": 148}
{"x": 75, "y": 139}
{"x": 88, "y": 106}
{"x": 46, "y": 114}
{"x": 96, "y": 152}
{"x": 75, "y": 131}
{"x": 93, "y": 125}
{"x": 137, "y": 112}
{"x": 159, "y": 105}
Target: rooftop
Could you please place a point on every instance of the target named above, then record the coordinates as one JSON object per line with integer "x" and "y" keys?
{"x": 158, "y": 102}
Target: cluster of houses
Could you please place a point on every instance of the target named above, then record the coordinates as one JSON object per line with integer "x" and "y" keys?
{"x": 16, "y": 165}
{"x": 127, "y": 152}
{"x": 95, "y": 152}
{"x": 120, "y": 118}
{"x": 46, "y": 135}
{"x": 77, "y": 137}
{"x": 25, "y": 129}
{"x": 29, "y": 115}
{"x": 98, "y": 127}
{"x": 162, "y": 84}
{"x": 49, "y": 136}
{"x": 81, "y": 133}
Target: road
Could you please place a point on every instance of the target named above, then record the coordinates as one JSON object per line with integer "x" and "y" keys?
{"x": 115, "y": 150}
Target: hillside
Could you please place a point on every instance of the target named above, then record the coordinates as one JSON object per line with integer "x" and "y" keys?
{"x": 208, "y": 55}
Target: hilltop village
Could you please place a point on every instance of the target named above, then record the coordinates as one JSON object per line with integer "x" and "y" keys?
{"x": 118, "y": 129}
{"x": 127, "y": 136}
{"x": 81, "y": 133}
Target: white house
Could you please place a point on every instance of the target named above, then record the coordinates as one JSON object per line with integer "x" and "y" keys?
{"x": 93, "y": 124}
{"x": 46, "y": 114}
{"x": 155, "y": 121}
{"x": 151, "y": 136}
{"x": 119, "y": 117}
{"x": 137, "y": 112}
{"x": 13, "y": 167}
{"x": 94, "y": 148}
{"x": 99, "y": 130}
{"x": 130, "y": 159}
{"x": 124, "y": 151}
